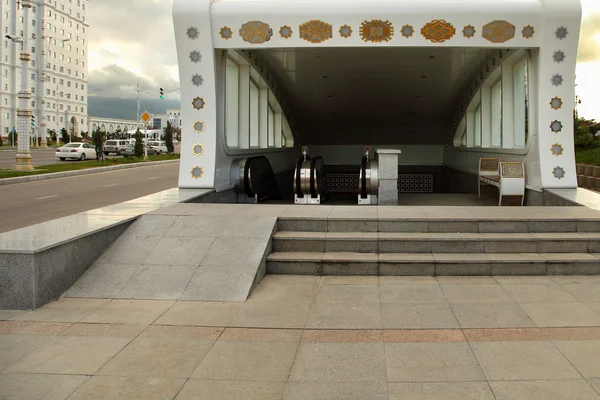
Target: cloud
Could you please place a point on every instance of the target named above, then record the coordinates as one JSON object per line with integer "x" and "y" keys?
{"x": 115, "y": 81}
{"x": 589, "y": 41}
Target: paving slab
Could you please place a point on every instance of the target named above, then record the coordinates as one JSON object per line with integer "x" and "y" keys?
{"x": 102, "y": 280}
{"x": 560, "y": 314}
{"x": 339, "y": 362}
{"x": 494, "y": 315}
{"x": 335, "y": 391}
{"x": 247, "y": 361}
{"x": 133, "y": 388}
{"x": 475, "y": 293}
{"x": 15, "y": 347}
{"x": 62, "y": 310}
{"x": 440, "y": 391}
{"x": 345, "y": 316}
{"x": 539, "y": 293}
{"x": 129, "y": 311}
{"x": 39, "y": 386}
{"x": 583, "y": 355}
{"x": 199, "y": 313}
{"x": 418, "y": 316}
{"x": 523, "y": 361}
{"x": 195, "y": 389}
{"x": 431, "y": 362}
{"x": 544, "y": 390}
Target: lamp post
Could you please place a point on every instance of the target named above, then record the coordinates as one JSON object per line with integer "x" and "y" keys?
{"x": 23, "y": 157}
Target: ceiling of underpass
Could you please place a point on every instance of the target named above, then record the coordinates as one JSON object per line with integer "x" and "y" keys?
{"x": 374, "y": 95}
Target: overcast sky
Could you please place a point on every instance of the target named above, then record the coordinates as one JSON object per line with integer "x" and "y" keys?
{"x": 131, "y": 40}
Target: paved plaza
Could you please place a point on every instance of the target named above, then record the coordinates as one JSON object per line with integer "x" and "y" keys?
{"x": 317, "y": 338}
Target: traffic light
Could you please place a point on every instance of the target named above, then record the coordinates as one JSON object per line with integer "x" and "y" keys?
{"x": 162, "y": 93}
{"x": 32, "y": 121}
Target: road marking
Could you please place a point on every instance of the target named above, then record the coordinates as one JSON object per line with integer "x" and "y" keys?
{"x": 153, "y": 177}
{"x": 47, "y": 197}
{"x": 114, "y": 184}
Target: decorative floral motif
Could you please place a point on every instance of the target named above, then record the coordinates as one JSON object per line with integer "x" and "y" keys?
{"x": 556, "y": 103}
{"x": 193, "y": 33}
{"x": 556, "y": 149}
{"x": 407, "y": 31}
{"x": 226, "y": 32}
{"x": 558, "y": 172}
{"x": 199, "y": 126}
{"x": 561, "y": 33}
{"x": 557, "y": 80}
{"x": 197, "y": 80}
{"x": 556, "y": 126}
{"x": 469, "y": 31}
{"x": 376, "y": 31}
{"x": 198, "y": 149}
{"x": 489, "y": 164}
{"x": 285, "y": 32}
{"x": 197, "y": 172}
{"x": 195, "y": 56}
{"x": 528, "y": 32}
{"x": 256, "y": 32}
{"x": 559, "y": 56}
{"x": 345, "y": 31}
{"x": 512, "y": 200}
{"x": 315, "y": 31}
{"x": 512, "y": 169}
{"x": 438, "y": 31}
{"x": 498, "y": 31}
{"x": 198, "y": 103}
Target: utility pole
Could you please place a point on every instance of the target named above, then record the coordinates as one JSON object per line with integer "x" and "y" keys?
{"x": 23, "y": 158}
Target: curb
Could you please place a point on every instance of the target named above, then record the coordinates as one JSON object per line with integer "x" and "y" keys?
{"x": 54, "y": 175}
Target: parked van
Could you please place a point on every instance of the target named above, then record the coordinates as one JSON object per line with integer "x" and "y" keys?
{"x": 114, "y": 146}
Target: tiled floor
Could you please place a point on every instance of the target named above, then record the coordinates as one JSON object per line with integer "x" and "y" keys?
{"x": 312, "y": 338}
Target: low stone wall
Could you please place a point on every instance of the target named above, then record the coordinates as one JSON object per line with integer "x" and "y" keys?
{"x": 588, "y": 176}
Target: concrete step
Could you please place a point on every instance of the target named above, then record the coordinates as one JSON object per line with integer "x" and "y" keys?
{"x": 448, "y": 224}
{"x": 353, "y": 263}
{"x": 418, "y": 242}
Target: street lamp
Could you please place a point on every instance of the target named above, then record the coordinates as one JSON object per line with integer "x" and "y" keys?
{"x": 23, "y": 157}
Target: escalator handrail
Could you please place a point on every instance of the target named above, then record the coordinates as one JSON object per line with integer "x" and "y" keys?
{"x": 298, "y": 177}
{"x": 247, "y": 179}
{"x": 363, "y": 188}
{"x": 313, "y": 165}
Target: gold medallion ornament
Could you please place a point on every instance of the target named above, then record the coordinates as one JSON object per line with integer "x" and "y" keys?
{"x": 286, "y": 32}
{"x": 556, "y": 149}
{"x": 556, "y": 103}
{"x": 345, "y": 31}
{"x": 199, "y": 126}
{"x": 316, "y": 31}
{"x": 407, "y": 31}
{"x": 376, "y": 31}
{"x": 469, "y": 31}
{"x": 528, "y": 32}
{"x": 198, "y": 103}
{"x": 256, "y": 32}
{"x": 197, "y": 172}
{"x": 198, "y": 149}
{"x": 438, "y": 31}
{"x": 226, "y": 32}
{"x": 499, "y": 31}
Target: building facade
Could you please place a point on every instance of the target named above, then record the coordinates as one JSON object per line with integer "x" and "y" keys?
{"x": 112, "y": 125}
{"x": 448, "y": 87}
{"x": 174, "y": 117}
{"x": 58, "y": 67}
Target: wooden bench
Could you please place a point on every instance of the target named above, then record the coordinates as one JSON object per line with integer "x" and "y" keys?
{"x": 507, "y": 177}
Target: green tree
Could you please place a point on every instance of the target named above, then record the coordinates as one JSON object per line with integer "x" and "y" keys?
{"x": 585, "y": 132}
{"x": 64, "y": 136}
{"x": 169, "y": 137}
{"x": 139, "y": 145}
{"x": 98, "y": 139}
{"x": 1, "y": 140}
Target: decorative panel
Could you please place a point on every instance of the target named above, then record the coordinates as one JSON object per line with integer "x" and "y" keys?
{"x": 315, "y": 31}
{"x": 499, "y": 31}
{"x": 415, "y": 183}
{"x": 342, "y": 183}
{"x": 376, "y": 31}
{"x": 256, "y": 32}
{"x": 438, "y": 31}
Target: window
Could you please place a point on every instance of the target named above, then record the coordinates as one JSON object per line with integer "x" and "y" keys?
{"x": 254, "y": 115}
{"x": 270, "y": 127}
{"x": 478, "y": 124}
{"x": 232, "y": 103}
{"x": 496, "y": 114}
{"x": 33, "y": 77}
{"x": 62, "y": 81}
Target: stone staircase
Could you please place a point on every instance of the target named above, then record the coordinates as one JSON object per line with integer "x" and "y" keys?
{"x": 485, "y": 246}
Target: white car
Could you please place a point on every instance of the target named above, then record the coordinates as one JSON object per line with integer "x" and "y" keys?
{"x": 76, "y": 151}
{"x": 157, "y": 147}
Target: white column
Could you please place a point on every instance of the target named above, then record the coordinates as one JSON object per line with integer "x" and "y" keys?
{"x": 244, "y": 108}
{"x": 23, "y": 158}
{"x": 486, "y": 117}
{"x": 508, "y": 119}
{"x": 278, "y": 126}
{"x": 263, "y": 119}
{"x": 470, "y": 129}
{"x": 41, "y": 95}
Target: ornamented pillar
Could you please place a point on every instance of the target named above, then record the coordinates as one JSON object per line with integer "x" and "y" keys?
{"x": 23, "y": 158}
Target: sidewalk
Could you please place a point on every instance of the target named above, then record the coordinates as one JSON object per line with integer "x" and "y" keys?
{"x": 317, "y": 338}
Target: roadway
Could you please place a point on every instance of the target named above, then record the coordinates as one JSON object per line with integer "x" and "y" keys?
{"x": 30, "y": 203}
